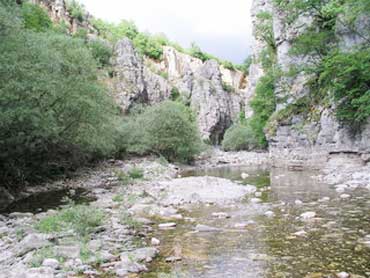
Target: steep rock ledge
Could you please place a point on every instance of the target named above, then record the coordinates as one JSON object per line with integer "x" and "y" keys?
{"x": 202, "y": 85}
{"x": 300, "y": 141}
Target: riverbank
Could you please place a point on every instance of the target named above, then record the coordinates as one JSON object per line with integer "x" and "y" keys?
{"x": 141, "y": 202}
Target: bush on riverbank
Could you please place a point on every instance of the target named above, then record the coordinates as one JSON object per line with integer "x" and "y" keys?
{"x": 54, "y": 112}
{"x": 240, "y": 137}
{"x": 168, "y": 129}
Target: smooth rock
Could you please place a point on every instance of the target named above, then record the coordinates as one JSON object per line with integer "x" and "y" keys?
{"x": 244, "y": 176}
{"x": 32, "y": 242}
{"x": 298, "y": 202}
{"x": 167, "y": 225}
{"x": 269, "y": 213}
{"x": 221, "y": 215}
{"x": 343, "y": 275}
{"x": 173, "y": 259}
{"x": 155, "y": 241}
{"x": 52, "y": 263}
{"x": 308, "y": 215}
{"x": 69, "y": 252}
{"x": 140, "y": 255}
{"x": 345, "y": 196}
{"x": 205, "y": 228}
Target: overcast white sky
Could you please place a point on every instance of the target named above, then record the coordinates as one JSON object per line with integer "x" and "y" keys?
{"x": 220, "y": 27}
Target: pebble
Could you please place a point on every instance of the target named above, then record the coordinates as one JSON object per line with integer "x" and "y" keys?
{"x": 244, "y": 176}
{"x": 155, "y": 241}
{"x": 269, "y": 213}
{"x": 221, "y": 215}
{"x": 345, "y": 196}
{"x": 300, "y": 233}
{"x": 256, "y": 200}
{"x": 258, "y": 194}
{"x": 343, "y": 275}
{"x": 167, "y": 225}
{"x": 298, "y": 202}
{"x": 52, "y": 263}
{"x": 308, "y": 215}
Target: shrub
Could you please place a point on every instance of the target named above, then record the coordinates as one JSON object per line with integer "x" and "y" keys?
{"x": 101, "y": 51}
{"x": 35, "y": 17}
{"x": 240, "y": 137}
{"x": 76, "y": 10}
{"x": 175, "y": 94}
{"x": 346, "y": 76}
{"x": 167, "y": 129}
{"x": 227, "y": 88}
{"x": 147, "y": 46}
{"x": 263, "y": 105}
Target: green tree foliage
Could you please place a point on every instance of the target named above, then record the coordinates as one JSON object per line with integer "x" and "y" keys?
{"x": 167, "y": 129}
{"x": 240, "y": 137}
{"x": 263, "y": 105}
{"x": 244, "y": 67}
{"x": 35, "y": 17}
{"x": 347, "y": 77}
{"x": 148, "y": 46}
{"x": 76, "y": 10}
{"x": 54, "y": 113}
{"x": 101, "y": 51}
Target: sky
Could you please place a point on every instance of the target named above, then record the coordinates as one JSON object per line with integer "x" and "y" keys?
{"x": 220, "y": 27}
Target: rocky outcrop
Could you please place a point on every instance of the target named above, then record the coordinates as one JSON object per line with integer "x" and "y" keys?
{"x": 201, "y": 85}
{"x": 134, "y": 82}
{"x": 299, "y": 141}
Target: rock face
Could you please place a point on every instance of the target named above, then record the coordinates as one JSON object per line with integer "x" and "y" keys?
{"x": 298, "y": 141}
{"x": 201, "y": 85}
{"x": 5, "y": 198}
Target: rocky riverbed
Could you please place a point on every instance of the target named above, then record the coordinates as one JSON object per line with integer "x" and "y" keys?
{"x": 228, "y": 216}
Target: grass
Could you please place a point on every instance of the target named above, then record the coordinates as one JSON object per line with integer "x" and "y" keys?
{"x": 136, "y": 173}
{"x": 127, "y": 219}
{"x": 117, "y": 198}
{"x": 44, "y": 253}
{"x": 82, "y": 219}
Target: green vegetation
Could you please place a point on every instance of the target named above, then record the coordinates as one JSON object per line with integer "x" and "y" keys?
{"x": 338, "y": 78}
{"x": 55, "y": 113}
{"x": 76, "y": 10}
{"x": 35, "y": 18}
{"x": 81, "y": 219}
{"x": 264, "y": 102}
{"x": 136, "y": 173}
{"x": 227, "y": 88}
{"x": 240, "y": 137}
{"x": 101, "y": 51}
{"x": 167, "y": 129}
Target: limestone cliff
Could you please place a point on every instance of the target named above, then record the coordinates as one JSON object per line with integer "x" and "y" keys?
{"x": 298, "y": 140}
{"x": 215, "y": 93}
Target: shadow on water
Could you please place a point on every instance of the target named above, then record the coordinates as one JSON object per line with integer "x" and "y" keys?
{"x": 44, "y": 201}
{"x": 270, "y": 246}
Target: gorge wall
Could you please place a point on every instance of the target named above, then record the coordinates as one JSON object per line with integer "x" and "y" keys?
{"x": 215, "y": 94}
{"x": 305, "y": 139}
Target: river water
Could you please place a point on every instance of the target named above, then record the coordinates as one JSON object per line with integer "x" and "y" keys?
{"x": 276, "y": 241}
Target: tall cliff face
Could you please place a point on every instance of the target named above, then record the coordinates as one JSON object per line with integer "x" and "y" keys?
{"x": 301, "y": 140}
{"x": 215, "y": 94}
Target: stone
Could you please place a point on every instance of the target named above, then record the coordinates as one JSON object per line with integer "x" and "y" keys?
{"x": 23, "y": 272}
{"x": 205, "y": 228}
{"x": 308, "y": 215}
{"x": 298, "y": 202}
{"x": 256, "y": 200}
{"x": 221, "y": 215}
{"x": 68, "y": 252}
{"x": 258, "y": 194}
{"x": 343, "y": 275}
{"x": 269, "y": 214}
{"x": 300, "y": 233}
{"x": 146, "y": 254}
{"x": 345, "y": 196}
{"x": 32, "y": 242}
{"x": 173, "y": 259}
{"x": 244, "y": 176}
{"x": 167, "y": 225}
{"x": 154, "y": 241}
{"x": 52, "y": 263}
{"x": 20, "y": 215}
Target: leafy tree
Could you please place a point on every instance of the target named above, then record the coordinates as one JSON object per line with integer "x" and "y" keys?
{"x": 240, "y": 137}
{"x": 55, "y": 114}
{"x": 101, "y": 51}
{"x": 76, "y": 10}
{"x": 35, "y": 17}
{"x": 148, "y": 46}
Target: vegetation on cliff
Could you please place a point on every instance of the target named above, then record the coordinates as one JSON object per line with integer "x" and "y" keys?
{"x": 55, "y": 112}
{"x": 339, "y": 75}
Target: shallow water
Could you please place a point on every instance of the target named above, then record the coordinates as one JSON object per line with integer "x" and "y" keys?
{"x": 50, "y": 200}
{"x": 267, "y": 247}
